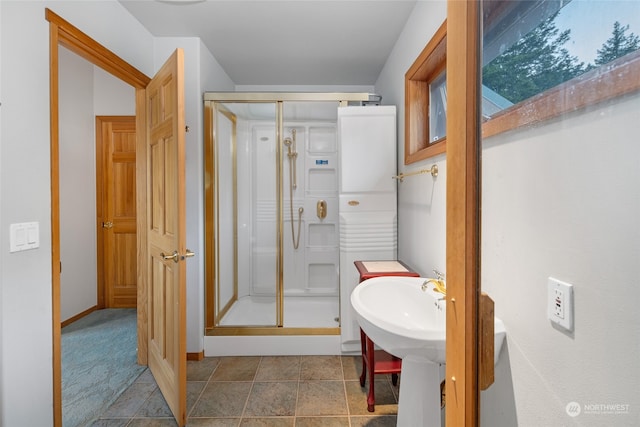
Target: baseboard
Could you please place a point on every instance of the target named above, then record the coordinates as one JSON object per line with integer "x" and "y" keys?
{"x": 196, "y": 356}
{"x": 78, "y": 316}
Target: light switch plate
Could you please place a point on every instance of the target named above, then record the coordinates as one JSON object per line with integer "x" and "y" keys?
{"x": 560, "y": 303}
{"x": 24, "y": 236}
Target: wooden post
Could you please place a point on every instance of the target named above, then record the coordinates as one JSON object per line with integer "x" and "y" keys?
{"x": 463, "y": 214}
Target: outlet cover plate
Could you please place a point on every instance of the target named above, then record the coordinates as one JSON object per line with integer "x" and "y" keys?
{"x": 560, "y": 303}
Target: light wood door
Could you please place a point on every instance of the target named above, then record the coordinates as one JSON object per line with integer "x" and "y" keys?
{"x": 166, "y": 249}
{"x": 116, "y": 209}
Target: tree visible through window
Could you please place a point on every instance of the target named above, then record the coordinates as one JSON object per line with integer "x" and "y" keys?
{"x": 540, "y": 59}
{"x": 535, "y": 63}
{"x": 618, "y": 45}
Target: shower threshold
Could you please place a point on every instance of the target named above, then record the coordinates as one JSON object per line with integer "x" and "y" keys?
{"x": 310, "y": 328}
{"x": 299, "y": 312}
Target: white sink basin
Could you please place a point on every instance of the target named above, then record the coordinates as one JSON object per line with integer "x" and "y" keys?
{"x": 402, "y": 318}
{"x": 410, "y": 322}
{"x": 405, "y": 320}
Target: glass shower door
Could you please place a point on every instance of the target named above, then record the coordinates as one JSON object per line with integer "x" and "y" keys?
{"x": 246, "y": 214}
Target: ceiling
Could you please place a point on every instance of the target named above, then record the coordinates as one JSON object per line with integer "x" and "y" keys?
{"x": 292, "y": 42}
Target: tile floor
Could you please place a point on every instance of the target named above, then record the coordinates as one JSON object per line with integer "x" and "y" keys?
{"x": 249, "y": 391}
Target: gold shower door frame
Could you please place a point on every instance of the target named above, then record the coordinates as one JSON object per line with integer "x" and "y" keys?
{"x": 213, "y": 312}
{"x": 213, "y": 214}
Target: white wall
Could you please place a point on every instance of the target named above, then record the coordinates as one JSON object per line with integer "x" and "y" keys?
{"x": 561, "y": 199}
{"x": 421, "y": 198}
{"x": 25, "y": 144}
{"x": 112, "y": 96}
{"x": 25, "y": 277}
{"x": 77, "y": 186}
{"x": 85, "y": 92}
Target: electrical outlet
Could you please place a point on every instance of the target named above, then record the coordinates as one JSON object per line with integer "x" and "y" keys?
{"x": 560, "y": 303}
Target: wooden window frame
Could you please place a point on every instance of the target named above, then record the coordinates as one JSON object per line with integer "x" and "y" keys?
{"x": 429, "y": 65}
{"x": 601, "y": 84}
{"x": 604, "y": 83}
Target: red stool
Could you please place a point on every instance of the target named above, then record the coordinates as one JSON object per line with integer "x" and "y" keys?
{"x": 379, "y": 361}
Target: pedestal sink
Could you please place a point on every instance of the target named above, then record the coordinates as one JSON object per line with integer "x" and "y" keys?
{"x": 406, "y": 318}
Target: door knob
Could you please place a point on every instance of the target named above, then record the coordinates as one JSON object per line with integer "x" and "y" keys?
{"x": 107, "y": 224}
{"x": 173, "y": 256}
{"x": 321, "y": 209}
{"x": 188, "y": 254}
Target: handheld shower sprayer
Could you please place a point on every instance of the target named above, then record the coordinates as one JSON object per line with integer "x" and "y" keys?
{"x": 292, "y": 153}
{"x": 290, "y": 143}
{"x": 287, "y": 143}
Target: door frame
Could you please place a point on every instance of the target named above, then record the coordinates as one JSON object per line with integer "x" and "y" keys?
{"x": 63, "y": 33}
{"x": 463, "y": 215}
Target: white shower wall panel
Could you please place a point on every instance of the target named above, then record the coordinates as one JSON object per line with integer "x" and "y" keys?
{"x": 322, "y": 180}
{"x": 321, "y": 161}
{"x": 322, "y": 248}
{"x": 262, "y": 192}
{"x": 322, "y": 139}
{"x": 312, "y": 268}
{"x": 322, "y": 233}
{"x": 322, "y": 271}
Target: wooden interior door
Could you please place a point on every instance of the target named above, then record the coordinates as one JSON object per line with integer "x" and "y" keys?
{"x": 166, "y": 251}
{"x": 116, "y": 211}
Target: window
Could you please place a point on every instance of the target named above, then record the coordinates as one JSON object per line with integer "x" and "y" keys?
{"x": 534, "y": 53}
{"x": 425, "y": 101}
{"x": 438, "y": 108}
{"x": 588, "y": 49}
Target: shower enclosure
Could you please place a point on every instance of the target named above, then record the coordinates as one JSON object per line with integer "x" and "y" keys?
{"x": 271, "y": 213}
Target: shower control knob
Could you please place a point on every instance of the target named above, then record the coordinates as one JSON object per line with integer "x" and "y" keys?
{"x": 321, "y": 209}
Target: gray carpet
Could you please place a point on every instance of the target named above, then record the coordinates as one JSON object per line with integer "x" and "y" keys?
{"x": 99, "y": 361}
